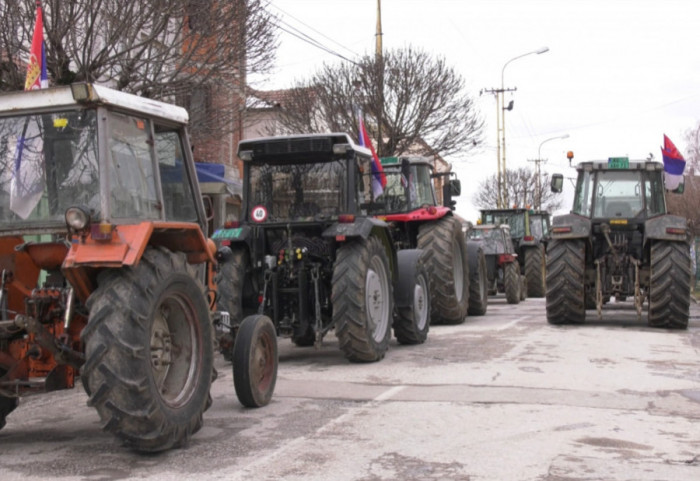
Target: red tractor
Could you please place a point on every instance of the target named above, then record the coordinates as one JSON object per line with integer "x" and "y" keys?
{"x": 457, "y": 270}
{"x": 105, "y": 271}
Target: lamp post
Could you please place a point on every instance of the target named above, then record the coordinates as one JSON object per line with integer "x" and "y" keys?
{"x": 538, "y": 176}
{"x": 501, "y": 123}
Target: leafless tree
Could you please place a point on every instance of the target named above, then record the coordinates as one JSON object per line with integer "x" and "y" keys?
{"x": 182, "y": 51}
{"x": 419, "y": 99}
{"x": 520, "y": 190}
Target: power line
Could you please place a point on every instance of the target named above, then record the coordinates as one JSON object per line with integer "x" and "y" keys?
{"x": 313, "y": 29}
{"x": 304, "y": 37}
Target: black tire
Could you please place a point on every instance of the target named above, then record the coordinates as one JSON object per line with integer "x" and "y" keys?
{"x": 448, "y": 267}
{"x": 670, "y": 281}
{"x": 412, "y": 322}
{"x": 148, "y": 394}
{"x": 566, "y": 263}
{"x": 229, "y": 283}
{"x": 7, "y": 405}
{"x": 478, "y": 282}
{"x": 362, "y": 300}
{"x": 512, "y": 282}
{"x": 255, "y": 361}
{"x": 536, "y": 271}
{"x": 523, "y": 287}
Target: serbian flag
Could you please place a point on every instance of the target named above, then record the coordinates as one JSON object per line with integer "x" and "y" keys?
{"x": 36, "y": 68}
{"x": 674, "y": 164}
{"x": 378, "y": 176}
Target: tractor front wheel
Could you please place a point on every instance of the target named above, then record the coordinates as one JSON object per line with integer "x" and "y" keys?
{"x": 536, "y": 271}
{"x": 149, "y": 352}
{"x": 255, "y": 361}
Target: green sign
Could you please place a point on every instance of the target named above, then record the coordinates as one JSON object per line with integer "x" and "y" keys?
{"x": 389, "y": 160}
{"x": 618, "y": 163}
{"x": 227, "y": 233}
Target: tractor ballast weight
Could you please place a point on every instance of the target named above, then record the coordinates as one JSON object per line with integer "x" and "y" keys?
{"x": 619, "y": 242}
{"x": 106, "y": 272}
{"x": 311, "y": 258}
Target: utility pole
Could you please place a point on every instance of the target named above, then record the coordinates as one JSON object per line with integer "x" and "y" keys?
{"x": 502, "y": 195}
{"x": 379, "y": 60}
{"x": 537, "y": 196}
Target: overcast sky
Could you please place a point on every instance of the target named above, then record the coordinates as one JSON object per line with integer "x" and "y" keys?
{"x": 617, "y": 77}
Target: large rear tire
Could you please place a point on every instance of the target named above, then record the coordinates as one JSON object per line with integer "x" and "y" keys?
{"x": 669, "y": 290}
{"x": 478, "y": 282}
{"x": 511, "y": 282}
{"x": 7, "y": 405}
{"x": 566, "y": 263}
{"x": 412, "y": 320}
{"x": 149, "y": 352}
{"x": 362, "y": 300}
{"x": 448, "y": 267}
{"x": 255, "y": 361}
{"x": 536, "y": 271}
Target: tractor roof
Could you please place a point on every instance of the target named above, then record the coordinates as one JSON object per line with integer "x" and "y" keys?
{"x": 619, "y": 163}
{"x": 269, "y": 148}
{"x": 395, "y": 162}
{"x": 87, "y": 95}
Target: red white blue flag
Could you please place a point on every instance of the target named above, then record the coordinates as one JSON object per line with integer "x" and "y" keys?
{"x": 674, "y": 164}
{"x": 36, "y": 68}
{"x": 378, "y": 176}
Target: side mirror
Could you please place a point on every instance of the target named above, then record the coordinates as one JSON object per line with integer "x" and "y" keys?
{"x": 557, "y": 183}
{"x": 455, "y": 187}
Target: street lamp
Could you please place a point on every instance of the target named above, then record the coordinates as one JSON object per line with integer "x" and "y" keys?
{"x": 501, "y": 125}
{"x": 538, "y": 175}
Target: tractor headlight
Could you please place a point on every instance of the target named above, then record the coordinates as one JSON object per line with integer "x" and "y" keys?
{"x": 77, "y": 218}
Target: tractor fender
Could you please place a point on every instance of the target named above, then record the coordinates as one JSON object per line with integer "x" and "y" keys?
{"x": 364, "y": 227}
{"x": 360, "y": 227}
{"x": 87, "y": 256}
{"x": 570, "y": 226}
{"x": 404, "y": 286}
{"x": 666, "y": 227}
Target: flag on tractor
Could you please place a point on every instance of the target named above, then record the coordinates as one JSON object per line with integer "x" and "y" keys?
{"x": 674, "y": 164}
{"x": 378, "y": 176}
{"x": 36, "y": 68}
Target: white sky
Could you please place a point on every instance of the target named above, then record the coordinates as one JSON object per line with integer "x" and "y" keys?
{"x": 618, "y": 75}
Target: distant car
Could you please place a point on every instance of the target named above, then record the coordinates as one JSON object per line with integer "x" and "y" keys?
{"x": 503, "y": 270}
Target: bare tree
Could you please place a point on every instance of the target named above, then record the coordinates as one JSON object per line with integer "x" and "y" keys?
{"x": 181, "y": 51}
{"x": 423, "y": 105}
{"x": 521, "y": 190}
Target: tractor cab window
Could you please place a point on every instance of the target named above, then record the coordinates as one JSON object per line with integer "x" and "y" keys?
{"x": 297, "y": 191}
{"x": 423, "y": 184}
{"x": 178, "y": 197}
{"x": 654, "y": 193}
{"x": 131, "y": 174}
{"x": 583, "y": 197}
{"x": 49, "y": 163}
{"x": 618, "y": 194}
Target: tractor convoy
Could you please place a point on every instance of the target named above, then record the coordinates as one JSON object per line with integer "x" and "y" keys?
{"x": 107, "y": 274}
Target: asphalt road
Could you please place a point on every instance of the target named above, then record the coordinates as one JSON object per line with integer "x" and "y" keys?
{"x": 501, "y": 397}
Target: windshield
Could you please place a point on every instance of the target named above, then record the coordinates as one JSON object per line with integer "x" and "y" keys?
{"x": 516, "y": 221}
{"x": 299, "y": 191}
{"x": 492, "y": 239}
{"x": 49, "y": 162}
{"x": 619, "y": 193}
{"x": 408, "y": 188}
